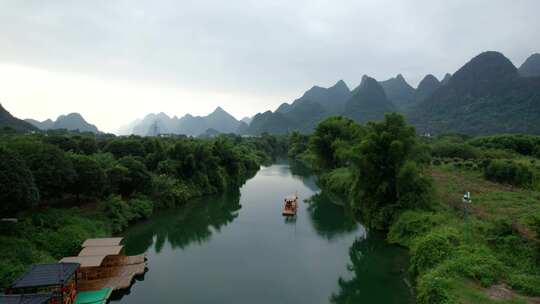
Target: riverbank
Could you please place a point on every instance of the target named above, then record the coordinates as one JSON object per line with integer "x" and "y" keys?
{"x": 65, "y": 188}
{"x": 46, "y": 235}
{"x": 487, "y": 251}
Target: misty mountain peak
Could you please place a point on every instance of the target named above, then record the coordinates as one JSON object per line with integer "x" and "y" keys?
{"x": 369, "y": 101}
{"x": 426, "y": 87}
{"x": 219, "y": 110}
{"x": 398, "y": 91}
{"x": 368, "y": 82}
{"x": 340, "y": 86}
{"x": 487, "y": 66}
{"x": 531, "y": 66}
{"x": 428, "y": 80}
{"x": 446, "y": 78}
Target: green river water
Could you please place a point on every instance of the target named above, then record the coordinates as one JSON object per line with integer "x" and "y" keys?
{"x": 238, "y": 248}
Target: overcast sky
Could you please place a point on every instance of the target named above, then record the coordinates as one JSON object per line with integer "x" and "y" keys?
{"x": 114, "y": 61}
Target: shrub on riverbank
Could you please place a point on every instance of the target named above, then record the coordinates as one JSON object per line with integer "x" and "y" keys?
{"x": 338, "y": 181}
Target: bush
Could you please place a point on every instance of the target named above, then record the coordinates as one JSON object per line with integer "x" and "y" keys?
{"x": 454, "y": 150}
{"x": 430, "y": 250}
{"x": 536, "y": 152}
{"x": 477, "y": 263}
{"x": 528, "y": 284}
{"x": 412, "y": 224}
{"x": 536, "y": 223}
{"x": 509, "y": 172}
{"x": 433, "y": 288}
{"x": 520, "y": 143}
{"x": 118, "y": 211}
{"x": 141, "y": 208}
{"x": 338, "y": 181}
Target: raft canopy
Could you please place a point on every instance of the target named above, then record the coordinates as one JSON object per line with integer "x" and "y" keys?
{"x": 46, "y": 275}
{"x": 101, "y": 251}
{"x": 102, "y": 242}
{"x": 36, "y": 298}
{"x": 85, "y": 261}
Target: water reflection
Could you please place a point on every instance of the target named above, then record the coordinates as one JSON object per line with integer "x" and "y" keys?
{"x": 377, "y": 273}
{"x": 322, "y": 255}
{"x": 329, "y": 219}
{"x": 194, "y": 223}
{"x": 301, "y": 172}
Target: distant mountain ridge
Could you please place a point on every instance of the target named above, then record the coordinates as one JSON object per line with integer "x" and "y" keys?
{"x": 71, "y": 121}
{"x": 426, "y": 88}
{"x": 369, "y": 102}
{"x": 9, "y": 121}
{"x": 531, "y": 66}
{"x": 154, "y": 124}
{"x": 304, "y": 113}
{"x": 485, "y": 96}
{"x": 398, "y": 91}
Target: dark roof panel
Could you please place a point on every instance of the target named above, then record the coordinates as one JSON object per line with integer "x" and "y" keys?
{"x": 46, "y": 275}
{"x": 39, "y": 298}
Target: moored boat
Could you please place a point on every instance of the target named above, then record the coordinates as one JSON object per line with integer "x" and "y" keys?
{"x": 290, "y": 205}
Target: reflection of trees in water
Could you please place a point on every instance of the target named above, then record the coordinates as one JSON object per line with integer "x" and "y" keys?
{"x": 329, "y": 219}
{"x": 303, "y": 173}
{"x": 192, "y": 223}
{"x": 378, "y": 273}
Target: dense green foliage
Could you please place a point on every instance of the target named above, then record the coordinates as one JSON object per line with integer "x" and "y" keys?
{"x": 519, "y": 143}
{"x": 114, "y": 180}
{"x": 331, "y": 141}
{"x": 388, "y": 180}
{"x": 45, "y": 236}
{"x": 509, "y": 172}
{"x": 382, "y": 173}
{"x": 377, "y": 168}
{"x": 17, "y": 187}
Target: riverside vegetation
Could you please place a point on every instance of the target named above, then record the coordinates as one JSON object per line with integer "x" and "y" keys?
{"x": 66, "y": 187}
{"x": 411, "y": 187}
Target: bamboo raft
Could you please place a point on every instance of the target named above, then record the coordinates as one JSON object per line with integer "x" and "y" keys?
{"x": 102, "y": 265}
{"x": 100, "y": 268}
{"x": 117, "y": 277}
{"x": 290, "y": 205}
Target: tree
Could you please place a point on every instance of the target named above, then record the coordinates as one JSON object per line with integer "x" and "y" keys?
{"x": 53, "y": 171}
{"x": 125, "y": 147}
{"x": 331, "y": 135}
{"x": 17, "y": 188}
{"x": 90, "y": 177}
{"x": 135, "y": 179}
{"x": 88, "y": 145}
{"x": 298, "y": 143}
{"x": 382, "y": 187}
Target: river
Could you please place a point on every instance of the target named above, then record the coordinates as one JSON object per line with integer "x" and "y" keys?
{"x": 238, "y": 248}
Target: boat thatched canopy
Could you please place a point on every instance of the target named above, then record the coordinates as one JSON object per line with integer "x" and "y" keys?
{"x": 102, "y": 242}
{"x": 85, "y": 261}
{"x": 101, "y": 250}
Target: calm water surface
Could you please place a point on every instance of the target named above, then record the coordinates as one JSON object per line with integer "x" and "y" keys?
{"x": 237, "y": 248}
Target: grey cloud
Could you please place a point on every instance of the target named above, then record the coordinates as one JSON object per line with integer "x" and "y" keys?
{"x": 263, "y": 47}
